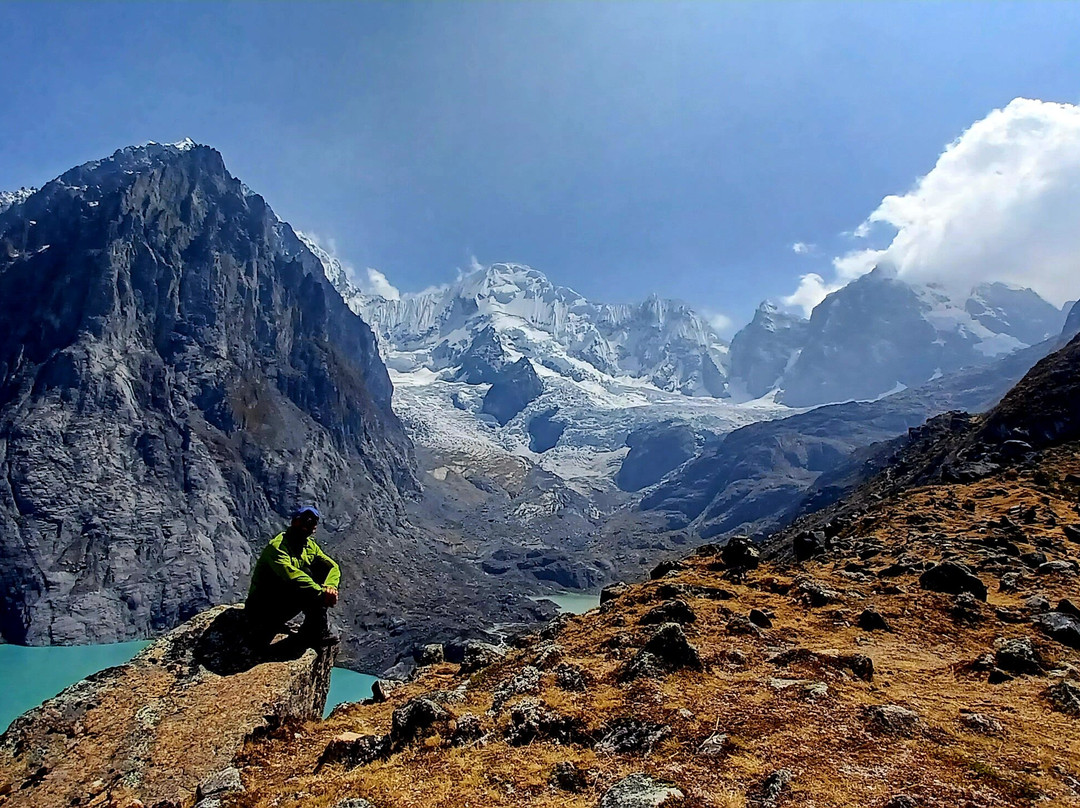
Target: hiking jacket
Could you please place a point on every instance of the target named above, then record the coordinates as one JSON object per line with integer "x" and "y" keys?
{"x": 285, "y": 577}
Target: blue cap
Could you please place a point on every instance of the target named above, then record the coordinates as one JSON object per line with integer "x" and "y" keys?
{"x": 307, "y": 509}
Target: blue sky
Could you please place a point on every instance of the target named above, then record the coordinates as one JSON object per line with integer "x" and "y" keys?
{"x": 621, "y": 148}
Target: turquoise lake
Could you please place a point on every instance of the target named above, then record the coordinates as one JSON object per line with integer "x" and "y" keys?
{"x": 29, "y": 676}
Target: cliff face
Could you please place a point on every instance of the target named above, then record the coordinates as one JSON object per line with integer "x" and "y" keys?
{"x": 176, "y": 373}
{"x": 156, "y": 728}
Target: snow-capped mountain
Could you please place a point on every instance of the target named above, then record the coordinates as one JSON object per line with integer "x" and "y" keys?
{"x": 9, "y": 199}
{"x": 658, "y": 342}
{"x": 880, "y": 334}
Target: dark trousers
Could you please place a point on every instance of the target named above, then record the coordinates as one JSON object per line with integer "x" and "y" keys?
{"x": 264, "y": 626}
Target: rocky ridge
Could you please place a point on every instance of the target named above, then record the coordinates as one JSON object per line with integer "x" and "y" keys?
{"x": 165, "y": 728}
{"x": 929, "y": 642}
{"x": 176, "y": 374}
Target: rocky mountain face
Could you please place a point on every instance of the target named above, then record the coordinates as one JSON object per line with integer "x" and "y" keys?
{"x": 935, "y": 622}
{"x": 1072, "y": 323}
{"x": 176, "y": 373}
{"x": 764, "y": 349}
{"x": 880, "y": 334}
{"x": 659, "y": 341}
{"x": 760, "y": 477}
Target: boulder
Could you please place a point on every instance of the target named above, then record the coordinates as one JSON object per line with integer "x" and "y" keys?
{"x": 808, "y": 545}
{"x": 629, "y": 735}
{"x": 1064, "y": 697}
{"x": 759, "y": 618}
{"x": 566, "y": 776}
{"x": 415, "y": 719}
{"x": 662, "y": 569}
{"x": 571, "y": 678}
{"x": 954, "y": 578}
{"x": 479, "y": 655}
{"x": 673, "y": 611}
{"x": 814, "y": 594}
{"x": 350, "y": 749}
{"x": 353, "y": 802}
{"x": 527, "y": 680}
{"x": 468, "y": 729}
{"x": 666, "y": 651}
{"x": 612, "y": 591}
{"x": 1061, "y": 626}
{"x": 176, "y": 714}
{"x": 1018, "y": 656}
{"x": 639, "y": 791}
{"x": 892, "y": 719}
{"x": 532, "y": 721}
{"x": 1060, "y": 567}
{"x": 219, "y": 784}
{"x": 982, "y": 724}
{"x": 872, "y": 620}
{"x": 430, "y": 654}
{"x": 768, "y": 794}
{"x": 740, "y": 553}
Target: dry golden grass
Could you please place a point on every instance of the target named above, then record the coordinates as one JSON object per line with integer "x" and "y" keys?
{"x": 825, "y": 743}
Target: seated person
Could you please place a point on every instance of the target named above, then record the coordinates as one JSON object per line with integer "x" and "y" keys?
{"x": 293, "y": 575}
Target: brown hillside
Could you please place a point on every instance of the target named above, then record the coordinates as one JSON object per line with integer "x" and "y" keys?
{"x": 796, "y": 696}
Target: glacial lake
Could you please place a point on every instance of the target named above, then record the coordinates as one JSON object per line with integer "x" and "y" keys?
{"x": 29, "y": 676}
{"x": 572, "y": 602}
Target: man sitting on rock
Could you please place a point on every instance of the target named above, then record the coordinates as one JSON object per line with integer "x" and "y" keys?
{"x": 293, "y": 575}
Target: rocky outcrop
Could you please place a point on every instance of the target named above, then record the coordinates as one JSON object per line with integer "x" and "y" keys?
{"x": 1072, "y": 323}
{"x": 763, "y": 349}
{"x": 654, "y": 451}
{"x": 514, "y": 388}
{"x": 166, "y": 725}
{"x": 176, "y": 373}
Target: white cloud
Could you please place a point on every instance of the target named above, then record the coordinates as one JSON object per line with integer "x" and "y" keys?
{"x": 721, "y": 323}
{"x": 802, "y": 248}
{"x": 812, "y": 290}
{"x": 377, "y": 284}
{"x": 1002, "y": 203}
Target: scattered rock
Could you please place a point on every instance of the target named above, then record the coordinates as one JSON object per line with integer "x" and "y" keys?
{"x": 354, "y": 802}
{"x": 628, "y": 735}
{"x": 808, "y": 545}
{"x": 1018, "y": 656}
{"x": 613, "y": 591}
{"x": 1010, "y": 582}
{"x": 892, "y": 719}
{"x": 414, "y": 719}
{"x": 742, "y": 625}
{"x": 982, "y": 724}
{"x": 771, "y": 787}
{"x": 1067, "y": 568}
{"x": 1061, "y": 626}
{"x": 760, "y": 618}
{"x": 218, "y": 784}
{"x": 664, "y": 567}
{"x": 479, "y": 655}
{"x": 431, "y": 654}
{"x": 666, "y": 651}
{"x": 531, "y": 721}
{"x": 1072, "y": 532}
{"x": 639, "y": 791}
{"x": 673, "y": 611}
{"x": 571, "y": 678}
{"x": 468, "y": 729}
{"x": 740, "y": 553}
{"x": 1066, "y": 606}
{"x": 1064, "y": 697}
{"x": 548, "y": 656}
{"x": 954, "y": 578}
{"x": 351, "y": 749}
{"x": 566, "y": 776}
{"x": 380, "y": 691}
{"x": 814, "y": 594}
{"x": 525, "y": 681}
{"x": 1034, "y": 559}
{"x": 715, "y": 745}
{"x": 966, "y": 609}
{"x": 1037, "y": 603}
{"x": 901, "y": 801}
{"x": 872, "y": 620}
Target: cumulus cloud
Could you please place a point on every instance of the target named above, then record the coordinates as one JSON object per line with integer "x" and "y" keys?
{"x": 801, "y": 248}
{"x": 377, "y": 284}
{"x": 1002, "y": 203}
{"x": 721, "y": 323}
{"x": 812, "y": 290}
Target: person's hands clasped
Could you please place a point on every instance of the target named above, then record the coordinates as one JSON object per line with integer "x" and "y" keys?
{"x": 330, "y": 595}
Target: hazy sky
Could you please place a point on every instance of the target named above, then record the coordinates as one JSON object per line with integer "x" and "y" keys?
{"x": 620, "y": 147}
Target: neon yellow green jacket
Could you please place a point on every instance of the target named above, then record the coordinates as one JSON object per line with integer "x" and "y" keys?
{"x": 286, "y": 577}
